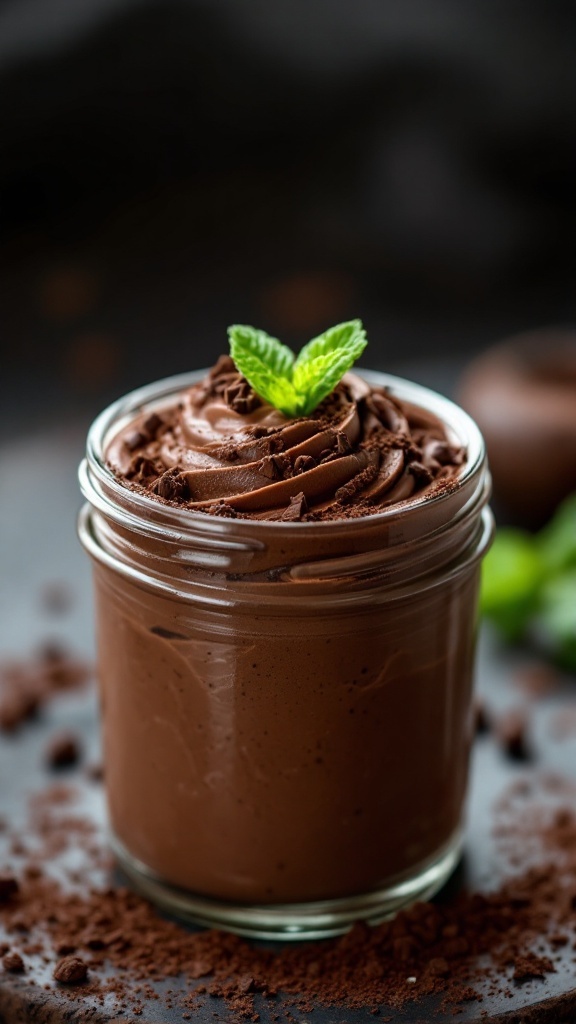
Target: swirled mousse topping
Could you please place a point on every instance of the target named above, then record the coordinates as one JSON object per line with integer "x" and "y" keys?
{"x": 223, "y": 450}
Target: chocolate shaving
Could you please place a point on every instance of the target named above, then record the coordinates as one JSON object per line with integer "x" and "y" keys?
{"x": 296, "y": 509}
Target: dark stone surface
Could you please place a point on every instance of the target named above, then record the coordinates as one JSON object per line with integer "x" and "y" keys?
{"x": 38, "y": 548}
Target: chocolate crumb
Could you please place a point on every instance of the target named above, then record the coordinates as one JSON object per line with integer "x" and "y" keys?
{"x": 511, "y": 733}
{"x": 531, "y": 966}
{"x": 8, "y": 887}
{"x": 420, "y": 473}
{"x": 172, "y": 485}
{"x": 224, "y": 510}
{"x": 241, "y": 397}
{"x": 13, "y": 963}
{"x": 70, "y": 970}
{"x": 303, "y": 463}
{"x": 63, "y": 751}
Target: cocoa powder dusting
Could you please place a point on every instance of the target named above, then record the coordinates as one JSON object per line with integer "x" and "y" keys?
{"x": 453, "y": 951}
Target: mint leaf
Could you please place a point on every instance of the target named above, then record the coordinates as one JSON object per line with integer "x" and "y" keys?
{"x": 296, "y": 386}
{"x": 323, "y": 361}
{"x": 266, "y": 363}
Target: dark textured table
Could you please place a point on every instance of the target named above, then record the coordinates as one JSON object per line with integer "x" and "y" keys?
{"x": 38, "y": 548}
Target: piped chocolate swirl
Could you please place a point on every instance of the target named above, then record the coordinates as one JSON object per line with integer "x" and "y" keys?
{"x": 224, "y": 451}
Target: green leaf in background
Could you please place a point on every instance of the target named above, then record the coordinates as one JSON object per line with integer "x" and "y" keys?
{"x": 557, "y": 541}
{"x": 555, "y": 623}
{"x": 529, "y": 585}
{"x": 511, "y": 575}
{"x": 296, "y": 386}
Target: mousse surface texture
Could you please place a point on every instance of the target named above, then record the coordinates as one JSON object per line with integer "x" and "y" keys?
{"x": 222, "y": 450}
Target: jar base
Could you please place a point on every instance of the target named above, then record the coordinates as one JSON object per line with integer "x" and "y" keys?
{"x": 297, "y": 921}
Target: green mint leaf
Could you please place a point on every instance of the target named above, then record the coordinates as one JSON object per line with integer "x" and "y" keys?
{"x": 266, "y": 364}
{"x": 261, "y": 346}
{"x": 323, "y": 361}
{"x": 296, "y": 386}
{"x": 555, "y": 622}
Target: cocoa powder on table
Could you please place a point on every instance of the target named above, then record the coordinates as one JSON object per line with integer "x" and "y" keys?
{"x": 456, "y": 950}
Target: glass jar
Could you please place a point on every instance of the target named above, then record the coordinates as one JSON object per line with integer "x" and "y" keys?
{"x": 286, "y": 706}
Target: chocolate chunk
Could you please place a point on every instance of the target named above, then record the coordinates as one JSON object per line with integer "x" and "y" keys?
{"x": 421, "y": 473}
{"x": 241, "y": 397}
{"x": 304, "y": 463}
{"x": 343, "y": 446}
{"x": 8, "y": 887}
{"x": 172, "y": 486}
{"x": 296, "y": 509}
{"x": 152, "y": 424}
{"x": 141, "y": 469}
{"x": 134, "y": 440}
{"x": 267, "y": 466}
{"x": 13, "y": 963}
{"x": 63, "y": 751}
{"x": 511, "y": 732}
{"x": 70, "y": 970}
{"x": 275, "y": 467}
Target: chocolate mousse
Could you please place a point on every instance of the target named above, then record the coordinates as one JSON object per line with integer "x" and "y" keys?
{"x": 286, "y": 619}
{"x": 224, "y": 451}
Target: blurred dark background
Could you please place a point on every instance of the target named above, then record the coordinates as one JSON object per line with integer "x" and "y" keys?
{"x": 167, "y": 168}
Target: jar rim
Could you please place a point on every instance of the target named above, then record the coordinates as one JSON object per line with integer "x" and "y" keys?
{"x": 120, "y": 412}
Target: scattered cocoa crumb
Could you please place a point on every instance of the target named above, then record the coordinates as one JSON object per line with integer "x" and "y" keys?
{"x": 63, "y": 751}
{"x": 13, "y": 963}
{"x": 25, "y": 686}
{"x": 8, "y": 887}
{"x": 70, "y": 970}
{"x": 531, "y": 966}
{"x": 511, "y": 733}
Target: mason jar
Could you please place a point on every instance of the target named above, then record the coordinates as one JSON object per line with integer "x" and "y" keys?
{"x": 286, "y": 705}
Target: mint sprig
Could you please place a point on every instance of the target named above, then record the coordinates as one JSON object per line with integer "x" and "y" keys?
{"x": 296, "y": 385}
